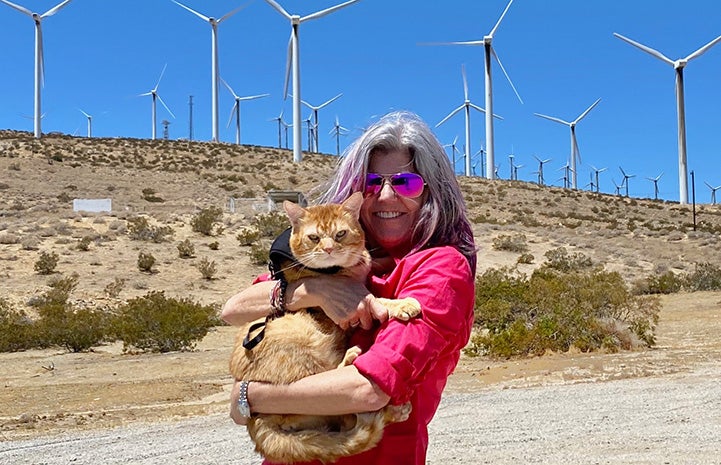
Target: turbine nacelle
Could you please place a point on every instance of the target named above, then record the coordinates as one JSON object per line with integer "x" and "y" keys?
{"x": 295, "y": 20}
{"x": 680, "y": 64}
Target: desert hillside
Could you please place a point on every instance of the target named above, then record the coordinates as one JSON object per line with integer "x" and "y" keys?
{"x": 169, "y": 182}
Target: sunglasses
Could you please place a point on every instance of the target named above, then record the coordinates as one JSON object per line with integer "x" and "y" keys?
{"x": 408, "y": 185}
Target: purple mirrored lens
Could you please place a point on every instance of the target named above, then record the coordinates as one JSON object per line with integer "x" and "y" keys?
{"x": 405, "y": 184}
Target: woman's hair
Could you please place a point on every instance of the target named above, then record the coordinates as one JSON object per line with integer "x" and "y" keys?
{"x": 442, "y": 218}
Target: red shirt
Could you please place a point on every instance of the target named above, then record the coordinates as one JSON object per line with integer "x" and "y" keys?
{"x": 411, "y": 361}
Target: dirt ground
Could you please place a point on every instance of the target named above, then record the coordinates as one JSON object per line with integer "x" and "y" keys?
{"x": 47, "y": 392}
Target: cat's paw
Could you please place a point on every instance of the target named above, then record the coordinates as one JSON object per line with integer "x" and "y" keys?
{"x": 402, "y": 309}
{"x": 350, "y": 355}
{"x": 397, "y": 413}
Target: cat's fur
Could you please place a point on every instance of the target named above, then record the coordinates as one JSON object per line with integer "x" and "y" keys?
{"x": 306, "y": 342}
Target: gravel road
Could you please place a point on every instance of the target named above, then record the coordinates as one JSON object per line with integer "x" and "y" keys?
{"x": 666, "y": 420}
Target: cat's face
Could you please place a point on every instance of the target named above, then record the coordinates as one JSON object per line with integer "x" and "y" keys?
{"x": 327, "y": 235}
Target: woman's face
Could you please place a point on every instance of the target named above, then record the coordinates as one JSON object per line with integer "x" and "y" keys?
{"x": 388, "y": 217}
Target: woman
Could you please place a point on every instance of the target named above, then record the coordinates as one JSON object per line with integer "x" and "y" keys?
{"x": 422, "y": 246}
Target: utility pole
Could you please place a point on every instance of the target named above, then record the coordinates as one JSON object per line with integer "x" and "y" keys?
{"x": 190, "y": 104}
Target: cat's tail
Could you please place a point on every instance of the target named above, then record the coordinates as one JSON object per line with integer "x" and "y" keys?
{"x": 307, "y": 445}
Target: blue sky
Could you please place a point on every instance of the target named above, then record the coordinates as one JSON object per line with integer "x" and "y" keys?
{"x": 560, "y": 54}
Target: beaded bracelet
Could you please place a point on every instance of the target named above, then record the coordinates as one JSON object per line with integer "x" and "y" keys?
{"x": 277, "y": 297}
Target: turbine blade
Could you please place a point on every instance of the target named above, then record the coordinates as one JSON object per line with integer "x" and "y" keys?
{"x": 86, "y": 115}
{"x": 229, "y": 14}
{"x": 326, "y": 11}
{"x": 467, "y": 42}
{"x": 278, "y": 8}
{"x": 288, "y": 62}
{"x": 166, "y": 107}
{"x": 703, "y": 49}
{"x": 41, "y": 53}
{"x": 54, "y": 9}
{"x": 465, "y": 82}
{"x": 495, "y": 55}
{"x": 252, "y": 97}
{"x": 583, "y": 115}
{"x": 232, "y": 110}
{"x": 203, "y": 17}
{"x": 646, "y": 49}
{"x": 473, "y": 105}
{"x": 306, "y": 104}
{"x": 450, "y": 115}
{"x": 161, "y": 77}
{"x": 493, "y": 31}
{"x": 329, "y": 101}
{"x": 228, "y": 86}
{"x": 21, "y": 9}
{"x": 553, "y": 118}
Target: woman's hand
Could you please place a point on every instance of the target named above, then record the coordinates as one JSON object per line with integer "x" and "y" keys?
{"x": 234, "y": 412}
{"x": 345, "y": 300}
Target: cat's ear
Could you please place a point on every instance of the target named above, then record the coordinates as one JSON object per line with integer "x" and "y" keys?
{"x": 295, "y": 212}
{"x": 353, "y": 203}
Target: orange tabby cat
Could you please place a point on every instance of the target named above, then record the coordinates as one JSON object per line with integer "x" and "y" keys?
{"x": 305, "y": 342}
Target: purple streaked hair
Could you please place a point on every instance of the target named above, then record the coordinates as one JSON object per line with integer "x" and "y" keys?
{"x": 442, "y": 218}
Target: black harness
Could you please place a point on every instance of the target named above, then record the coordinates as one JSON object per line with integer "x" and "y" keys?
{"x": 280, "y": 255}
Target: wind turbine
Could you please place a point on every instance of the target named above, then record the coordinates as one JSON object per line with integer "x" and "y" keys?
{"x": 236, "y": 109}
{"x": 597, "y": 172}
{"x": 154, "y": 93}
{"x": 489, "y": 51}
{"x": 626, "y": 177}
{"x": 655, "y": 185}
{"x": 566, "y": 175}
{"x": 510, "y": 159}
{"x": 337, "y": 131}
{"x": 214, "y": 73}
{"x": 678, "y": 66}
{"x": 575, "y": 154}
{"x": 540, "y": 168}
{"x": 466, "y": 105}
{"x": 293, "y": 64}
{"x": 315, "y": 116}
{"x": 90, "y": 122}
{"x": 279, "y": 119}
{"x": 39, "y": 58}
{"x": 454, "y": 150}
{"x": 713, "y": 192}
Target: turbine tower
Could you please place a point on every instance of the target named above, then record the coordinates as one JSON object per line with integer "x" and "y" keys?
{"x": 39, "y": 58}
{"x": 713, "y": 192}
{"x": 337, "y": 131}
{"x": 655, "y": 185}
{"x": 575, "y": 154}
{"x": 236, "y": 109}
{"x": 678, "y": 66}
{"x": 315, "y": 117}
{"x": 626, "y": 177}
{"x": 214, "y": 60}
{"x": 90, "y": 122}
{"x": 597, "y": 172}
{"x": 541, "y": 181}
{"x": 154, "y": 93}
{"x": 293, "y": 63}
{"x": 466, "y": 105}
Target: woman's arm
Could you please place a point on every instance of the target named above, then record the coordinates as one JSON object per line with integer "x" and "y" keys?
{"x": 343, "y": 299}
{"x": 333, "y": 392}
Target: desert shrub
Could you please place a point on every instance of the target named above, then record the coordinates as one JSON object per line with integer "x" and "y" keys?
{"x": 76, "y": 330}
{"x": 157, "y": 323}
{"x": 186, "y": 249}
{"x": 525, "y": 259}
{"x": 705, "y": 277}
{"x": 589, "y": 309}
{"x": 141, "y": 230}
{"x": 84, "y": 244}
{"x": 514, "y": 243}
{"x": 15, "y": 329}
{"x": 146, "y": 262}
{"x": 207, "y": 268}
{"x": 46, "y": 263}
{"x": 149, "y": 195}
{"x": 559, "y": 259}
{"x": 114, "y": 288}
{"x": 248, "y": 236}
{"x": 214, "y": 245}
{"x": 259, "y": 253}
{"x": 204, "y": 221}
{"x": 270, "y": 224}
{"x": 665, "y": 283}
